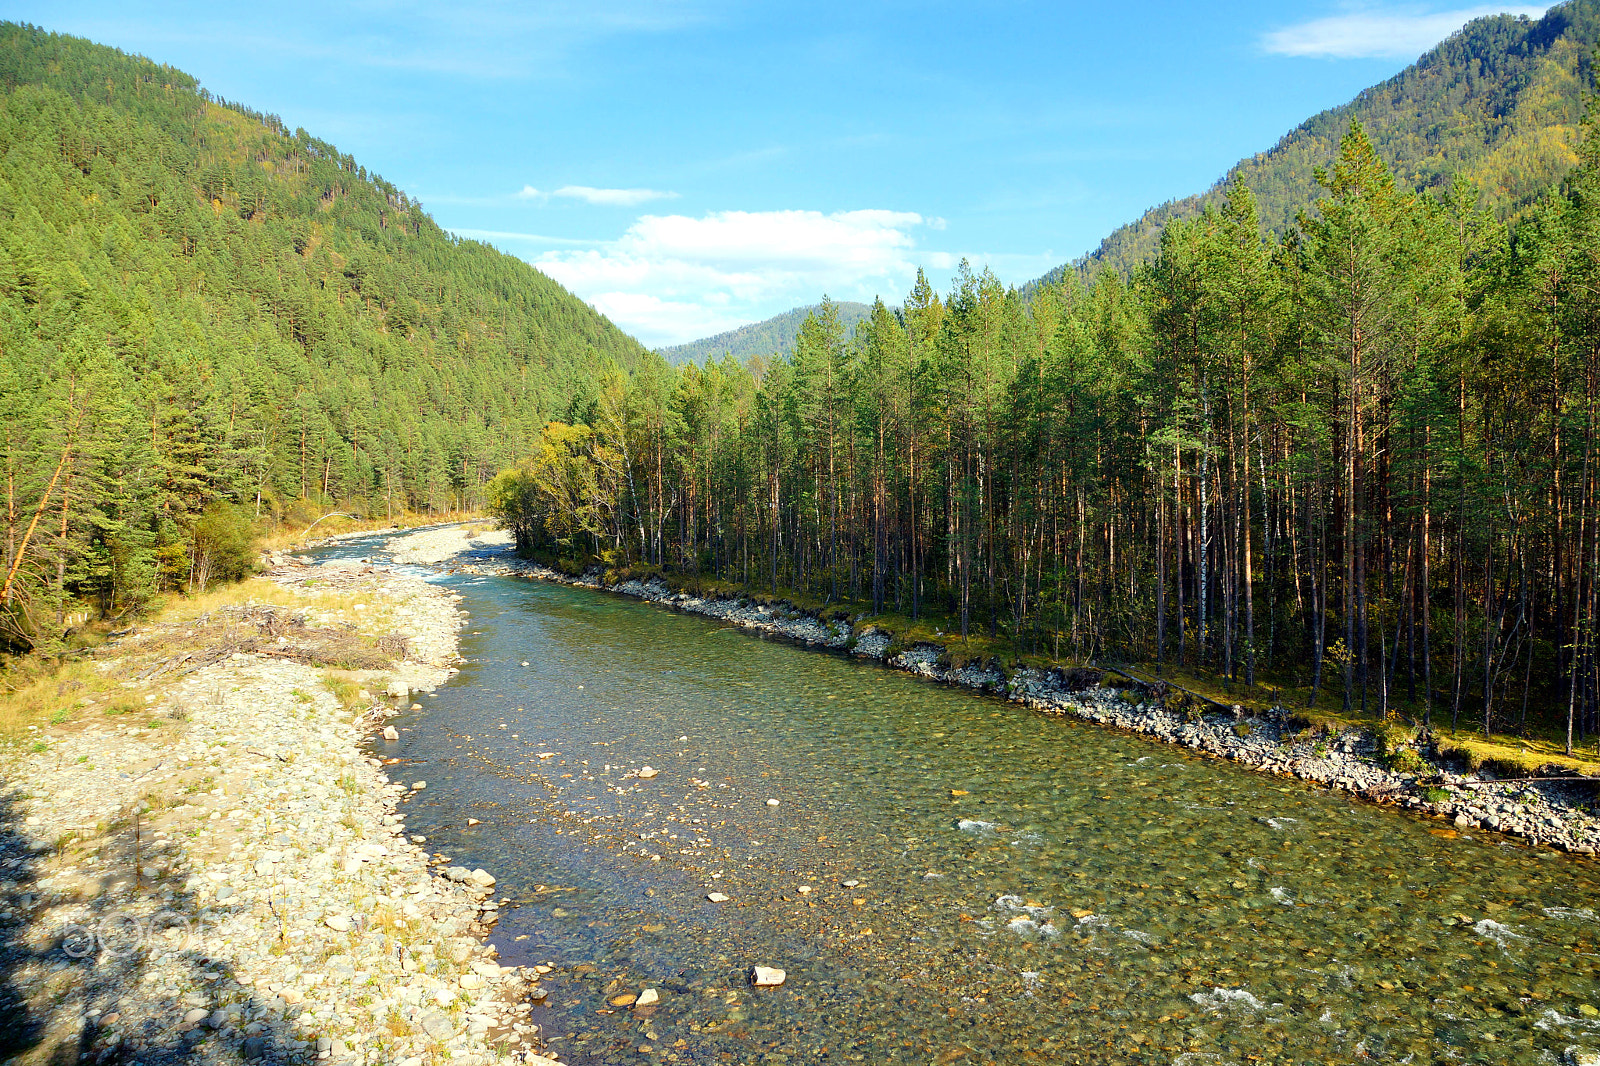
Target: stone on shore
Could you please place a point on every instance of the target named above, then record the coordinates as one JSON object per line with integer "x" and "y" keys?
{"x": 648, "y": 772}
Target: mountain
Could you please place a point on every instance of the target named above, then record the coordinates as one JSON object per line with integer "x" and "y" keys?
{"x": 1496, "y": 105}
{"x": 774, "y": 335}
{"x": 202, "y": 311}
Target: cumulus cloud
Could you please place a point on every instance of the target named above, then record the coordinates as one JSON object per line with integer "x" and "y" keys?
{"x": 672, "y": 278}
{"x": 1373, "y": 33}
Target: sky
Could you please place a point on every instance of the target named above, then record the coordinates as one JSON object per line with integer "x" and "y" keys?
{"x": 687, "y": 166}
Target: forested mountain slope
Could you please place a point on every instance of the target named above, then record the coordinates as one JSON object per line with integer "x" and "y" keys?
{"x": 199, "y": 307}
{"x": 1496, "y": 105}
{"x": 774, "y": 336}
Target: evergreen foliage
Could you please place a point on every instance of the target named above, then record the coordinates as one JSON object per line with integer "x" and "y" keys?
{"x": 1497, "y": 105}
{"x": 205, "y": 315}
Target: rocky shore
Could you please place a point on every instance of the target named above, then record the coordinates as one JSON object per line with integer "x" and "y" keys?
{"x": 1554, "y": 813}
{"x": 208, "y": 867}
{"x": 438, "y": 543}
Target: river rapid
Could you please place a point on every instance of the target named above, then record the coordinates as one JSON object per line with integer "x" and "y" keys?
{"x": 947, "y": 877}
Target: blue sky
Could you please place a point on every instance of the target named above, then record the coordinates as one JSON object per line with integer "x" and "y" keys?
{"x": 691, "y": 165}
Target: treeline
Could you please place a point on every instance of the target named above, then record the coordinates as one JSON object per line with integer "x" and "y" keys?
{"x": 207, "y": 321}
{"x": 1360, "y": 459}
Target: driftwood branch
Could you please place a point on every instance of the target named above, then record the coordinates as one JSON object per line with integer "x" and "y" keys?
{"x": 330, "y": 514}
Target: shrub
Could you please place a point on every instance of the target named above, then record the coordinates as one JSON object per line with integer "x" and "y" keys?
{"x": 1406, "y": 761}
{"x": 223, "y": 545}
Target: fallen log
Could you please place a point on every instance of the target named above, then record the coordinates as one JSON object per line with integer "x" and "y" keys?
{"x": 1169, "y": 684}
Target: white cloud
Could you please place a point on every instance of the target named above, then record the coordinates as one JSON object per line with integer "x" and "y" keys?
{"x": 1371, "y": 33}
{"x": 612, "y": 197}
{"x": 531, "y": 238}
{"x": 600, "y": 197}
{"x": 672, "y": 278}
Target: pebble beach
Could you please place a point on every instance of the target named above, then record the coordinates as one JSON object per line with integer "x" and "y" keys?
{"x": 224, "y": 873}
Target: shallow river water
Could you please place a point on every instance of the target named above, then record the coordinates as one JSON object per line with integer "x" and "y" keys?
{"x": 986, "y": 885}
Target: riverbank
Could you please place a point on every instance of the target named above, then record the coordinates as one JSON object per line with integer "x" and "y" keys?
{"x": 1353, "y": 760}
{"x": 436, "y": 544}
{"x": 200, "y": 863}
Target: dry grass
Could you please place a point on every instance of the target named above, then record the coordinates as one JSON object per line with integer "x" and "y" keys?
{"x": 40, "y": 693}
{"x": 54, "y": 696}
{"x": 371, "y": 613}
{"x": 345, "y": 688}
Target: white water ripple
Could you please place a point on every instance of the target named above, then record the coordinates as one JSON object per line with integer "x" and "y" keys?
{"x": 1222, "y": 1000}
{"x": 1503, "y": 935}
{"x": 1552, "y": 1020}
{"x": 1571, "y": 914}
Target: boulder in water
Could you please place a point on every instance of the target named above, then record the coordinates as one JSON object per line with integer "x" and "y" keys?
{"x": 766, "y": 976}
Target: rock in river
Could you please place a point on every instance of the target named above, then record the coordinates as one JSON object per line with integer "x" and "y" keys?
{"x": 766, "y": 976}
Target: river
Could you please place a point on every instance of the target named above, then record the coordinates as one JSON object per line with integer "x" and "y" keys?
{"x": 947, "y": 877}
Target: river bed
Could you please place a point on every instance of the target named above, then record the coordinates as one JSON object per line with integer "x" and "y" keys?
{"x": 947, "y": 877}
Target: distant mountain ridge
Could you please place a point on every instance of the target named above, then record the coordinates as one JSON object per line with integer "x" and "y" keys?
{"x": 772, "y": 336}
{"x": 1496, "y": 104}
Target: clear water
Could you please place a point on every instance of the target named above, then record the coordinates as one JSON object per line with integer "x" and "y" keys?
{"x": 1087, "y": 897}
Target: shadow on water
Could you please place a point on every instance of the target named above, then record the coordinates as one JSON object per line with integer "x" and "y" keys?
{"x": 100, "y": 975}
